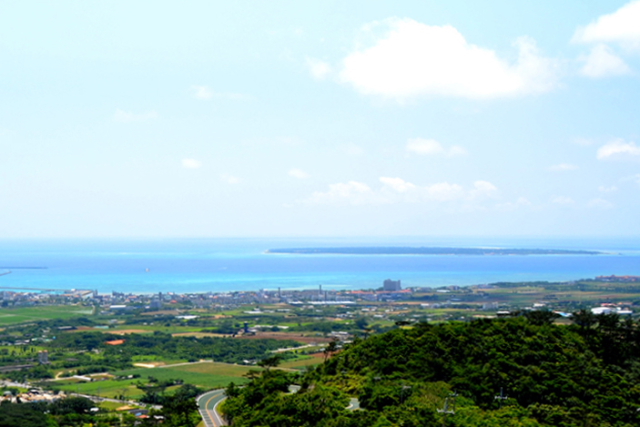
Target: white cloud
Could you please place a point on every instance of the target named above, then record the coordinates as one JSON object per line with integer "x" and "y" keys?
{"x": 318, "y": 69}
{"x": 353, "y": 150}
{"x": 483, "y": 189}
{"x": 635, "y": 178}
{"x": 202, "y": 92}
{"x": 397, "y": 190}
{"x": 298, "y": 173}
{"x": 191, "y": 163}
{"x": 602, "y": 62}
{"x": 563, "y": 167}
{"x": 600, "y": 204}
{"x": 428, "y": 147}
{"x": 562, "y": 200}
{"x": 440, "y": 191}
{"x": 425, "y": 146}
{"x": 443, "y": 191}
{"x": 457, "y": 150}
{"x": 621, "y": 26}
{"x": 291, "y": 141}
{"x": 397, "y": 184}
{"x": 205, "y": 92}
{"x": 128, "y": 117}
{"x": 411, "y": 59}
{"x": 229, "y": 179}
{"x": 275, "y": 141}
{"x": 618, "y": 149}
{"x": 521, "y": 202}
{"x": 605, "y": 189}
{"x": 352, "y": 192}
{"x": 582, "y": 141}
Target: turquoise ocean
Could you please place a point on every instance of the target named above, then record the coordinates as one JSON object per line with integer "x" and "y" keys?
{"x": 241, "y": 264}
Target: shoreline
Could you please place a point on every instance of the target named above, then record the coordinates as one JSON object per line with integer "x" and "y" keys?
{"x": 426, "y": 251}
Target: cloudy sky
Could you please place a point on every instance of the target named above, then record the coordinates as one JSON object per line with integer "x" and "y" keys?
{"x": 319, "y": 118}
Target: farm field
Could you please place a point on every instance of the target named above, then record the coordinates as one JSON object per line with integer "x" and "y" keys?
{"x": 147, "y": 329}
{"x": 110, "y": 406}
{"x": 108, "y": 388}
{"x": 198, "y": 334}
{"x": 155, "y": 360}
{"x": 11, "y": 316}
{"x": 306, "y": 339}
{"x": 303, "y": 362}
{"x": 208, "y": 375}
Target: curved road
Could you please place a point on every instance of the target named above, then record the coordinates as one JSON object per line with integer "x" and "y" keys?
{"x": 208, "y": 407}
{"x": 209, "y": 401}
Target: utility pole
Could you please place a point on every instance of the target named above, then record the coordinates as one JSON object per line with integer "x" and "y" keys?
{"x": 447, "y": 410}
{"x": 402, "y": 393}
{"x": 501, "y": 397}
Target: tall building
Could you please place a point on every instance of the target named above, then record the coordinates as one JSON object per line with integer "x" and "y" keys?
{"x": 156, "y": 303}
{"x": 391, "y": 285}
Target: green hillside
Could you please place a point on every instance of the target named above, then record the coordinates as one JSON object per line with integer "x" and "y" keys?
{"x": 584, "y": 374}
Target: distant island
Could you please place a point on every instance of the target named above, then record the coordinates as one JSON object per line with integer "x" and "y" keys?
{"x": 393, "y": 250}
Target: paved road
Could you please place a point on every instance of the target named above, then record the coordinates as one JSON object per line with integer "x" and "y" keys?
{"x": 354, "y": 403}
{"x": 98, "y": 399}
{"x": 185, "y": 363}
{"x": 208, "y": 407}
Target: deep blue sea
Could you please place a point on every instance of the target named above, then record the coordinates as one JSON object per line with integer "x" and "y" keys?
{"x": 220, "y": 265}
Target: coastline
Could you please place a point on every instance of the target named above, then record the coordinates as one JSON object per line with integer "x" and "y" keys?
{"x": 426, "y": 251}
{"x": 221, "y": 265}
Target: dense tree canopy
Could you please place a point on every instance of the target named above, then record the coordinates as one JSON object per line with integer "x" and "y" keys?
{"x": 228, "y": 350}
{"x": 587, "y": 373}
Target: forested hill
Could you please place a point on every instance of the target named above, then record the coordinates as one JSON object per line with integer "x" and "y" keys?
{"x": 395, "y": 250}
{"x": 585, "y": 374}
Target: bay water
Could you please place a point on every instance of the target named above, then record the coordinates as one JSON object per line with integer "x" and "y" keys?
{"x": 241, "y": 264}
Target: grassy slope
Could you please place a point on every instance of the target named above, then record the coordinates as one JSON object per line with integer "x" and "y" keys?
{"x": 12, "y": 316}
{"x": 207, "y": 375}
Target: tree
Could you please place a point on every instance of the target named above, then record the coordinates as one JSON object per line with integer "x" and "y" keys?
{"x": 584, "y": 318}
{"x": 270, "y": 362}
{"x": 361, "y": 323}
{"x": 179, "y": 408}
{"x": 232, "y": 390}
{"x": 330, "y": 349}
{"x": 31, "y": 415}
{"x": 71, "y": 405}
{"x": 541, "y": 317}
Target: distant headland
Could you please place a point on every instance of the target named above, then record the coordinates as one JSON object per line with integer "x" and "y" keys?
{"x": 394, "y": 250}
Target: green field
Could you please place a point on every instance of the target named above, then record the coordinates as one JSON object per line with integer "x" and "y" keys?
{"x": 208, "y": 375}
{"x": 11, "y": 316}
{"x": 110, "y": 406}
{"x": 107, "y": 388}
{"x": 151, "y": 358}
{"x": 173, "y": 329}
{"x": 302, "y": 362}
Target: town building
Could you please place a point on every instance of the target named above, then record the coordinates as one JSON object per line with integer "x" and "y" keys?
{"x": 391, "y": 285}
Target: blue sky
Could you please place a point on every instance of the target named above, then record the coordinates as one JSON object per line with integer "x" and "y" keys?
{"x": 204, "y": 119}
